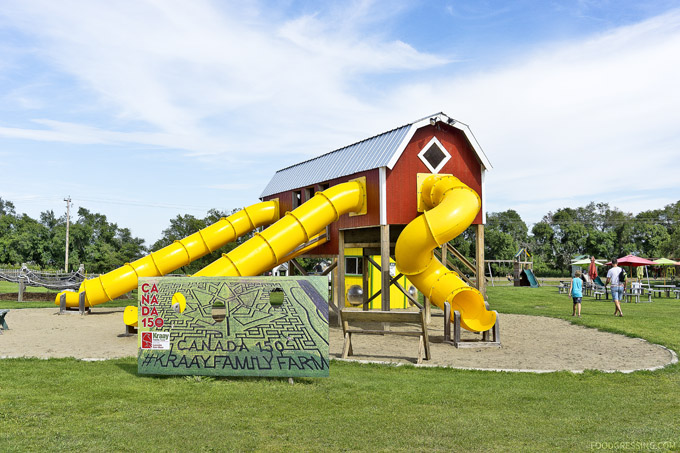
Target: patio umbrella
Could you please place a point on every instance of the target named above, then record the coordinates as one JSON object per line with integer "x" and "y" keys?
{"x": 665, "y": 262}
{"x": 634, "y": 261}
{"x": 585, "y": 261}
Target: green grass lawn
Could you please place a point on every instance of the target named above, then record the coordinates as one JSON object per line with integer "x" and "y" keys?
{"x": 8, "y": 287}
{"x": 34, "y": 295}
{"x": 71, "y": 405}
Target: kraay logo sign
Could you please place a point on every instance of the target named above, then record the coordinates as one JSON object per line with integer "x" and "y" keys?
{"x": 156, "y": 340}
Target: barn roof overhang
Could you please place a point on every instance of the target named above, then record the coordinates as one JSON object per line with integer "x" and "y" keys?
{"x": 382, "y": 150}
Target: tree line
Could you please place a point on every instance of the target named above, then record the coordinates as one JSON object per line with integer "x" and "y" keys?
{"x": 596, "y": 229}
{"x": 98, "y": 244}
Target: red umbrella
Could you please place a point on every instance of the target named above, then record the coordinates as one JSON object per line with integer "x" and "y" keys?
{"x": 633, "y": 261}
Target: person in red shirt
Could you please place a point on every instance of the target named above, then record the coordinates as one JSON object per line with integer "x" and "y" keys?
{"x": 592, "y": 269}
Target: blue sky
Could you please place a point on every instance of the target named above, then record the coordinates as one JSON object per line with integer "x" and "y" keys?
{"x": 142, "y": 110}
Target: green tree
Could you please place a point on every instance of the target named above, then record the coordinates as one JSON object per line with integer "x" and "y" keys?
{"x": 511, "y": 223}
{"x": 600, "y": 244}
{"x": 649, "y": 234}
{"x": 20, "y": 239}
{"x": 99, "y": 245}
{"x": 54, "y": 239}
{"x": 543, "y": 240}
{"x": 6, "y": 208}
{"x": 185, "y": 225}
{"x": 595, "y": 229}
{"x": 505, "y": 233}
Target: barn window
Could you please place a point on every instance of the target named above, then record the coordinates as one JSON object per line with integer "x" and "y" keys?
{"x": 434, "y": 155}
{"x": 309, "y": 193}
{"x": 353, "y": 265}
{"x": 297, "y": 198}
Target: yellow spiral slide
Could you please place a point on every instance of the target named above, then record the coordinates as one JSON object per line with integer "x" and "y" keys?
{"x": 180, "y": 253}
{"x": 451, "y": 207}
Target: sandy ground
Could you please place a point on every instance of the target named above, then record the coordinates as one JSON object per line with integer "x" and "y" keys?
{"x": 528, "y": 343}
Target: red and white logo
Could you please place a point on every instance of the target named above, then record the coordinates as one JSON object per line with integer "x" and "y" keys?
{"x": 155, "y": 340}
{"x": 147, "y": 340}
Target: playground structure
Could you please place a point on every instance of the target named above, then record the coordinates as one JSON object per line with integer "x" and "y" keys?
{"x": 354, "y": 282}
{"x": 522, "y": 269}
{"x": 26, "y": 277}
{"x": 400, "y": 194}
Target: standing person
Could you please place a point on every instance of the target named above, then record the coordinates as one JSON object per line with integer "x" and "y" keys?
{"x": 617, "y": 287}
{"x": 592, "y": 269}
{"x": 576, "y": 291}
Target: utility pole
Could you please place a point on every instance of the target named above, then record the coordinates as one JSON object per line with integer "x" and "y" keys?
{"x": 68, "y": 220}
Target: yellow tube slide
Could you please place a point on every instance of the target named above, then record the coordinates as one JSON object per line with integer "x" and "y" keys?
{"x": 451, "y": 208}
{"x": 275, "y": 244}
{"x": 180, "y": 253}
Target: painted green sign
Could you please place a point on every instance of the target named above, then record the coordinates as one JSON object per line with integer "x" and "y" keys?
{"x": 233, "y": 326}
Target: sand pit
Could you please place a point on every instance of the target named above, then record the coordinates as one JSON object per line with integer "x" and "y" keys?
{"x": 530, "y": 343}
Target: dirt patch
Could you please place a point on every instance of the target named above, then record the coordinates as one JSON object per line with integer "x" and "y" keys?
{"x": 528, "y": 343}
{"x": 33, "y": 297}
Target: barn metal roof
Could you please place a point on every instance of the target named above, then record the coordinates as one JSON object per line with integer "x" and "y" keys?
{"x": 382, "y": 150}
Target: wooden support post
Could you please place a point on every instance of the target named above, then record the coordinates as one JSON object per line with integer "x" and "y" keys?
{"x": 385, "y": 264}
{"x": 335, "y": 304}
{"x": 340, "y": 273}
{"x": 494, "y": 342}
{"x": 445, "y": 263}
{"x": 364, "y": 279}
{"x": 298, "y": 266}
{"x": 428, "y": 310}
{"x": 329, "y": 271}
{"x": 516, "y": 273}
{"x": 485, "y": 335}
{"x": 456, "y": 328}
{"x": 62, "y": 304}
{"x": 22, "y": 282}
{"x": 22, "y": 288}
{"x": 81, "y": 303}
{"x": 479, "y": 256}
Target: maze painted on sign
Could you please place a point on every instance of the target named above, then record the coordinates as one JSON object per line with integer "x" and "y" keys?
{"x": 233, "y": 326}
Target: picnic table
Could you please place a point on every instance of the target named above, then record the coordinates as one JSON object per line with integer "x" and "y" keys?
{"x": 666, "y": 288}
{"x": 599, "y": 291}
{"x": 564, "y": 287}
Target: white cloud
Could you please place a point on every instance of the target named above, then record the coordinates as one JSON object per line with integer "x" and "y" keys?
{"x": 237, "y": 85}
{"x": 185, "y": 69}
{"x": 575, "y": 121}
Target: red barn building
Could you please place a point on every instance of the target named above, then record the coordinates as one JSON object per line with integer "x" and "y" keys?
{"x": 390, "y": 162}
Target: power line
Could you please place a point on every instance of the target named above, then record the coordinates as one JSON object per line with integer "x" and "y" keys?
{"x": 145, "y": 204}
